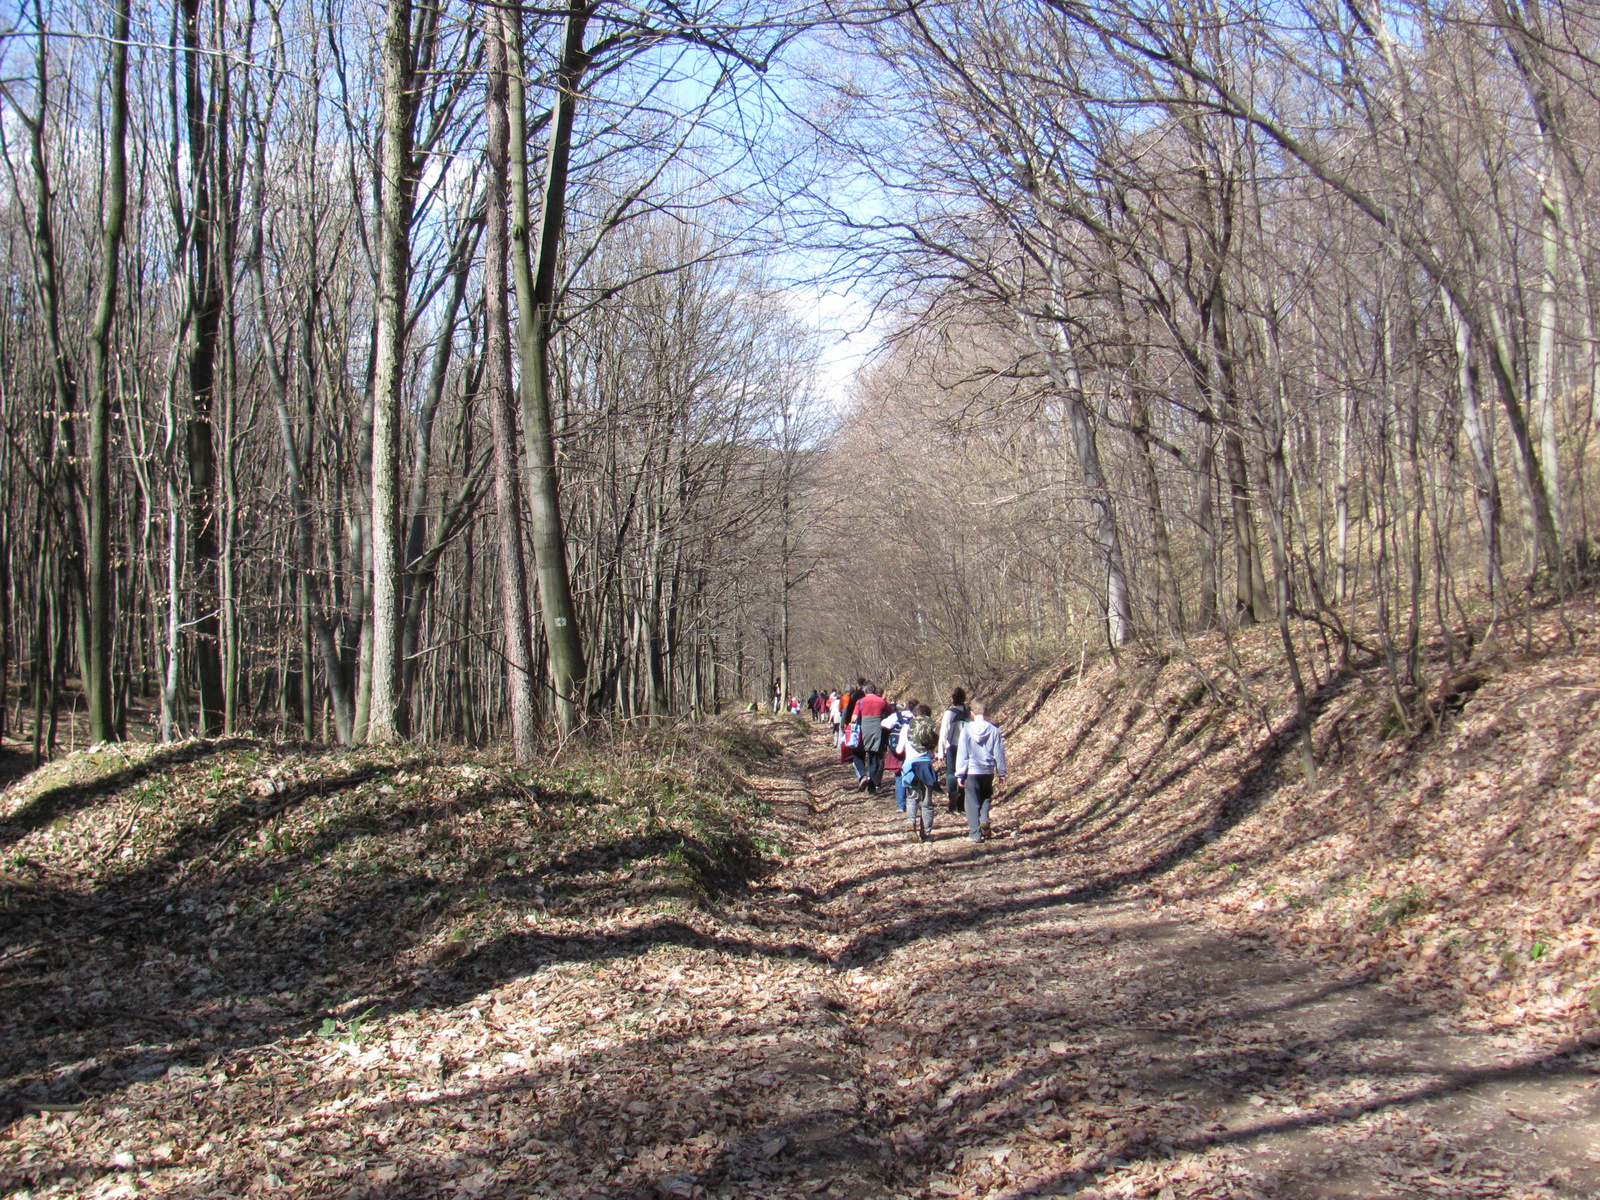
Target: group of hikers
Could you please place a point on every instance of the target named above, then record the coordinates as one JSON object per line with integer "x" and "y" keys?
{"x": 875, "y": 735}
{"x": 781, "y": 704}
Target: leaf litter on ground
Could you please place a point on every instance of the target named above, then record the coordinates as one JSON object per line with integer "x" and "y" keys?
{"x": 685, "y": 970}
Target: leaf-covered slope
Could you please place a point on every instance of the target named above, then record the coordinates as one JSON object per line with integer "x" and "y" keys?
{"x": 1448, "y": 843}
{"x": 163, "y": 905}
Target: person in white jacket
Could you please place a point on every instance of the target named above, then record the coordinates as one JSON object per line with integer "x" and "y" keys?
{"x": 980, "y": 761}
{"x": 950, "y": 725}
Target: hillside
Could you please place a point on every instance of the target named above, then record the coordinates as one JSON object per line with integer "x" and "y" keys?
{"x": 1452, "y": 854}
{"x": 164, "y": 906}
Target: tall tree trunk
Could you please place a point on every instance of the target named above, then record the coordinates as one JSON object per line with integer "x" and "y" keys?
{"x": 205, "y": 301}
{"x": 1166, "y": 570}
{"x": 516, "y": 619}
{"x": 654, "y": 616}
{"x": 535, "y": 254}
{"x": 1544, "y": 372}
{"x": 1248, "y": 577}
{"x": 41, "y": 625}
{"x": 1062, "y": 364}
{"x": 355, "y": 643}
{"x": 1206, "y": 519}
{"x": 397, "y": 189}
{"x": 784, "y": 585}
{"x": 1341, "y": 501}
{"x": 228, "y": 560}
{"x": 172, "y": 719}
{"x": 1485, "y": 483}
{"x": 59, "y": 449}
{"x": 102, "y": 602}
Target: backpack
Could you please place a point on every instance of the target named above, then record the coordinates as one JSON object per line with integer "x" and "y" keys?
{"x": 924, "y": 734}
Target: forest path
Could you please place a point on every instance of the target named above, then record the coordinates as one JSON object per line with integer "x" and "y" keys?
{"x": 1007, "y": 1034}
{"x": 873, "y": 1018}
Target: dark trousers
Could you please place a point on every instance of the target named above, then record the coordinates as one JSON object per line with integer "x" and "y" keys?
{"x": 875, "y": 768}
{"x": 980, "y": 793}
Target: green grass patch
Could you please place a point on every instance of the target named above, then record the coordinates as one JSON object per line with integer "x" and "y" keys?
{"x": 1389, "y": 912}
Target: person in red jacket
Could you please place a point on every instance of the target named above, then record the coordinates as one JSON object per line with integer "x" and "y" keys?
{"x": 871, "y": 710}
{"x": 857, "y": 757}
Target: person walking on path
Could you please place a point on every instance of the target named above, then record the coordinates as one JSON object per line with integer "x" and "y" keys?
{"x": 904, "y": 714}
{"x": 944, "y": 754}
{"x": 850, "y": 720}
{"x": 870, "y": 711}
{"x": 980, "y": 761}
{"x": 852, "y": 698}
{"x": 917, "y": 781}
{"x": 892, "y": 758}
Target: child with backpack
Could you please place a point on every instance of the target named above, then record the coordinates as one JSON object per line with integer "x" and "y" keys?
{"x": 917, "y": 782}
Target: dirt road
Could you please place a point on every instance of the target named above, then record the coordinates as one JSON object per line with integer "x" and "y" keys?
{"x": 879, "y": 1018}
{"x": 1003, "y": 1034}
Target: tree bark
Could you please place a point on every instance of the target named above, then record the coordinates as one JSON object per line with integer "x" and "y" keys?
{"x": 1206, "y": 519}
{"x": 516, "y": 620}
{"x": 102, "y": 602}
{"x": 1166, "y": 570}
{"x": 205, "y": 300}
{"x": 397, "y": 189}
{"x": 1485, "y": 482}
{"x": 1063, "y": 367}
{"x": 535, "y": 258}
{"x": 1341, "y": 501}
{"x": 1544, "y": 372}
